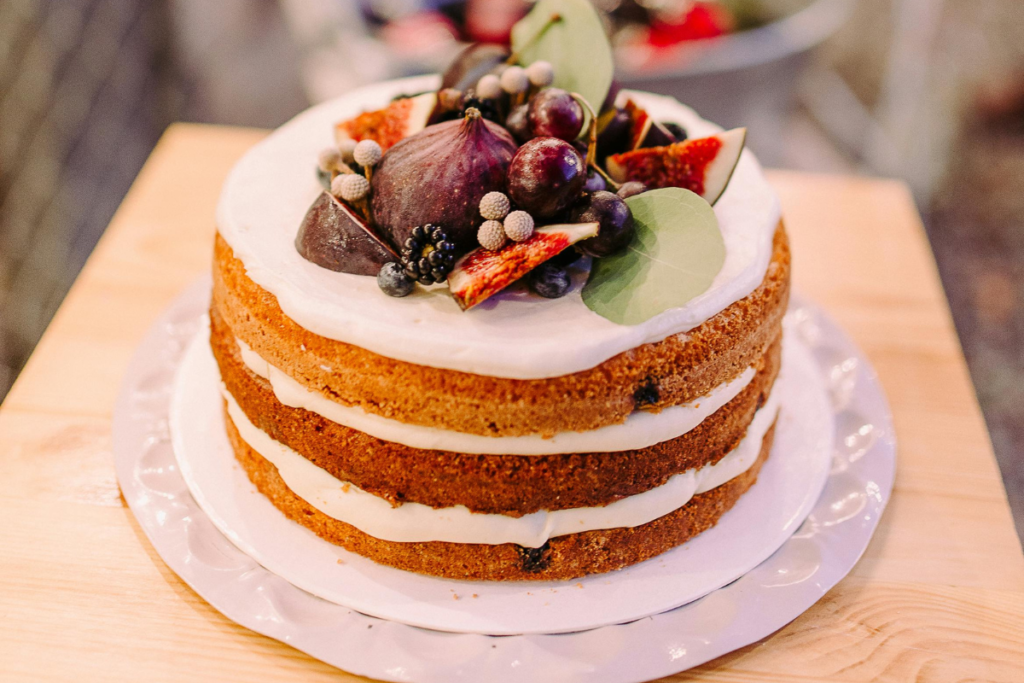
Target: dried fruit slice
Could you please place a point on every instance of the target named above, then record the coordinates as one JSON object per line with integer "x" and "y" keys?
{"x": 400, "y": 119}
{"x": 335, "y": 237}
{"x": 703, "y": 166}
{"x": 482, "y": 273}
{"x": 645, "y": 132}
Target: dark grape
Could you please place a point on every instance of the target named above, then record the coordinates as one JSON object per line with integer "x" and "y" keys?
{"x": 678, "y": 132}
{"x": 554, "y": 113}
{"x": 614, "y": 218}
{"x": 595, "y": 182}
{"x": 518, "y": 123}
{"x": 546, "y": 175}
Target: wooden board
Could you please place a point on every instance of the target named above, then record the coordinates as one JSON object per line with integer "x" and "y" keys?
{"x": 939, "y": 595}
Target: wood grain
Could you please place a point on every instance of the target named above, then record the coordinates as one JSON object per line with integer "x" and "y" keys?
{"x": 938, "y": 596}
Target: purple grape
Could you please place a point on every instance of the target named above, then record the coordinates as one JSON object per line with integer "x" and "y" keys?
{"x": 554, "y": 113}
{"x": 546, "y": 176}
{"x": 615, "y": 220}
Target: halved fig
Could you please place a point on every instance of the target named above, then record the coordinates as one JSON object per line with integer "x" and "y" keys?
{"x": 403, "y": 117}
{"x": 703, "y": 166}
{"x": 335, "y": 237}
{"x": 482, "y": 273}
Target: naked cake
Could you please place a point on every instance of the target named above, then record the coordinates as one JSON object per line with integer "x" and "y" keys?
{"x": 504, "y": 331}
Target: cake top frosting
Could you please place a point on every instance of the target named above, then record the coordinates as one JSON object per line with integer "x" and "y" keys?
{"x": 513, "y": 334}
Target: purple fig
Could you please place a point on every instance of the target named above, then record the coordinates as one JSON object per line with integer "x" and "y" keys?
{"x": 335, "y": 237}
{"x": 439, "y": 176}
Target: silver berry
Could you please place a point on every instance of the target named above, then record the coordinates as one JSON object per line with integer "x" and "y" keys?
{"x": 350, "y": 187}
{"x": 494, "y": 206}
{"x": 329, "y": 159}
{"x": 514, "y": 80}
{"x": 347, "y": 149}
{"x": 489, "y": 87}
{"x": 367, "y": 152}
{"x": 540, "y": 73}
{"x": 491, "y": 235}
{"x": 519, "y": 226}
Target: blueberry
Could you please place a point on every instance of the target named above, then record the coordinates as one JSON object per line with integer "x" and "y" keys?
{"x": 549, "y": 281}
{"x": 393, "y": 280}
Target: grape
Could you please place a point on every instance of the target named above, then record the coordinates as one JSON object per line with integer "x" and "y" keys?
{"x": 518, "y": 124}
{"x": 546, "y": 176}
{"x": 554, "y": 113}
{"x": 550, "y": 281}
{"x": 615, "y": 220}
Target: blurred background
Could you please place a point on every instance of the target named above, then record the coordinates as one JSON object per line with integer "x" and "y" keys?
{"x": 930, "y": 91}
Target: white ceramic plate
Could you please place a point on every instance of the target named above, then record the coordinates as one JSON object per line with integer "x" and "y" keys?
{"x": 764, "y": 599}
{"x": 787, "y": 488}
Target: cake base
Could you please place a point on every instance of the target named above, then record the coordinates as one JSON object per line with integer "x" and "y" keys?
{"x": 561, "y": 558}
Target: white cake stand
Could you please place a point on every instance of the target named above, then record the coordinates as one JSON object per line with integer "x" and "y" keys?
{"x": 226, "y": 544}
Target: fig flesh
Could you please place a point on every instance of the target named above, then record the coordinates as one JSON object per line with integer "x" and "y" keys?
{"x": 335, "y": 237}
{"x": 439, "y": 176}
{"x": 403, "y": 117}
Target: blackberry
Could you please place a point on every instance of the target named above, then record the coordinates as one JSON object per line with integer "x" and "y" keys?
{"x": 428, "y": 256}
{"x": 488, "y": 108}
{"x": 677, "y": 131}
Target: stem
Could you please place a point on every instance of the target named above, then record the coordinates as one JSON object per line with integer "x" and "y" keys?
{"x": 611, "y": 183}
{"x": 516, "y": 54}
{"x": 592, "y": 133}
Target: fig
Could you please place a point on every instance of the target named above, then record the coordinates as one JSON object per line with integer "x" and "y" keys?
{"x": 470, "y": 65}
{"x": 439, "y": 176}
{"x": 335, "y": 237}
{"x": 703, "y": 165}
{"x": 546, "y": 176}
{"x": 482, "y": 273}
{"x": 405, "y": 116}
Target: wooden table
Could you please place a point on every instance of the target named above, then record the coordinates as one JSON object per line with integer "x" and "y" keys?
{"x": 939, "y": 595}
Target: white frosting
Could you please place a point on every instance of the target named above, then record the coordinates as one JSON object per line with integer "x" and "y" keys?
{"x": 415, "y": 522}
{"x": 640, "y": 430}
{"x": 514, "y": 334}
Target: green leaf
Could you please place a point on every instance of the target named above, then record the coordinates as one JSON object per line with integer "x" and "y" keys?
{"x": 675, "y": 255}
{"x": 575, "y": 43}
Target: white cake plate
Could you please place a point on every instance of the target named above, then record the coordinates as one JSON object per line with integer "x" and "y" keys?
{"x": 764, "y": 599}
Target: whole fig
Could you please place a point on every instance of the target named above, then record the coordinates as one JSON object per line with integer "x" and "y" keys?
{"x": 439, "y": 176}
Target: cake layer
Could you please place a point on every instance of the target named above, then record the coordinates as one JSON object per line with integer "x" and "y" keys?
{"x": 671, "y": 372}
{"x": 489, "y": 483}
{"x": 414, "y": 522}
{"x": 641, "y": 429}
{"x": 513, "y": 335}
{"x": 564, "y": 557}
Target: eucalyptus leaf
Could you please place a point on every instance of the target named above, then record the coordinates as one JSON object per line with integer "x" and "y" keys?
{"x": 574, "y": 43}
{"x": 674, "y": 256}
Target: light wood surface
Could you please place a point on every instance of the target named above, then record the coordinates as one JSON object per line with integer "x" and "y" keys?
{"x": 939, "y": 595}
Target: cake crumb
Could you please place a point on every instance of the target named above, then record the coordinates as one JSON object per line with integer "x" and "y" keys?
{"x": 455, "y": 596}
{"x": 345, "y": 487}
{"x": 341, "y": 561}
{"x": 579, "y": 585}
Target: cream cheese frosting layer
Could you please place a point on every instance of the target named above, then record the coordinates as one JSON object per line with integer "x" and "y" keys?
{"x": 640, "y": 430}
{"x": 513, "y": 335}
{"x": 415, "y": 522}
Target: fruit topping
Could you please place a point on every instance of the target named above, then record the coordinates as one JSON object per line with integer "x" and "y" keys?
{"x": 554, "y": 113}
{"x": 491, "y": 235}
{"x": 540, "y": 73}
{"x": 494, "y": 206}
{"x": 549, "y": 281}
{"x": 400, "y": 119}
{"x": 514, "y": 80}
{"x": 704, "y": 165}
{"x": 335, "y": 237}
{"x": 518, "y": 226}
{"x": 628, "y": 189}
{"x": 518, "y": 123}
{"x": 472, "y": 64}
{"x": 595, "y": 182}
{"x": 489, "y": 87}
{"x": 645, "y": 131}
{"x": 610, "y": 212}
{"x": 439, "y": 176}
{"x": 482, "y": 273}
{"x": 427, "y": 255}
{"x": 546, "y": 176}
{"x": 613, "y": 138}
{"x": 393, "y": 281}
{"x": 677, "y": 131}
{"x": 351, "y": 187}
